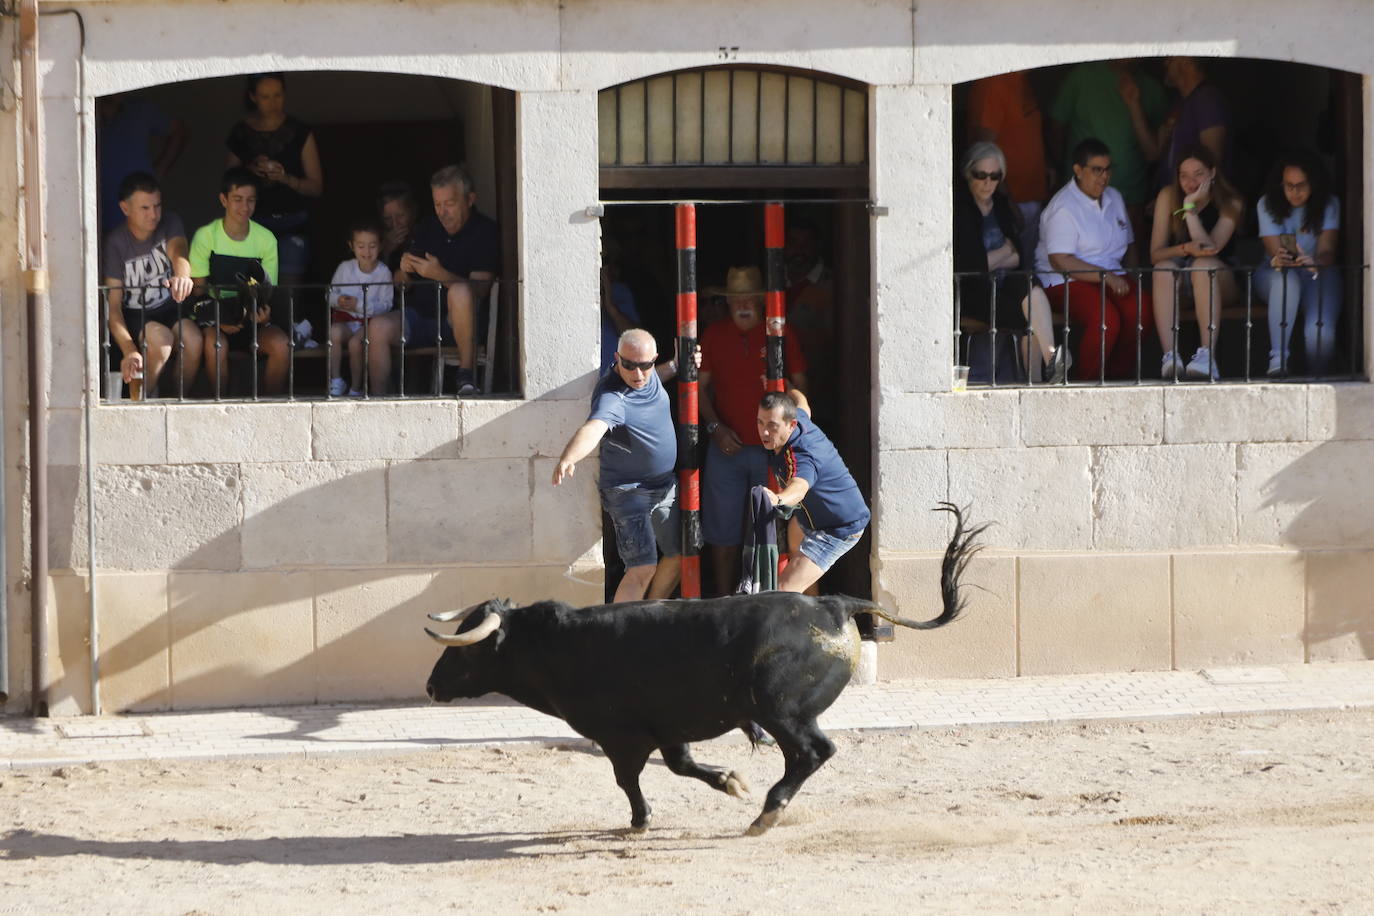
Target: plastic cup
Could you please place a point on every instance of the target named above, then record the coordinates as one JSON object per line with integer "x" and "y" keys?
{"x": 959, "y": 381}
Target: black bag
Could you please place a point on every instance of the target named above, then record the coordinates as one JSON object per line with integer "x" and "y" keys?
{"x": 979, "y": 357}
{"x": 233, "y": 310}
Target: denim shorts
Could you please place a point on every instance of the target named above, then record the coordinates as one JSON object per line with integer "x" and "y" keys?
{"x": 821, "y": 547}
{"x": 422, "y": 330}
{"x": 725, "y": 486}
{"x": 646, "y": 519}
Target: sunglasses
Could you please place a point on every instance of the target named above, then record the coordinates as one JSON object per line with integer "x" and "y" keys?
{"x": 631, "y": 364}
{"x": 985, "y": 176}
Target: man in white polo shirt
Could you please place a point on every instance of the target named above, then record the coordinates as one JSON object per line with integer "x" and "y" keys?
{"x": 1085, "y": 236}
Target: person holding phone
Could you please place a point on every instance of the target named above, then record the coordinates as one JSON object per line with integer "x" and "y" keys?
{"x": 1194, "y": 225}
{"x": 1299, "y": 224}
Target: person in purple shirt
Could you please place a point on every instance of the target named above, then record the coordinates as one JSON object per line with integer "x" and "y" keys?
{"x": 830, "y": 514}
{"x": 1201, "y": 117}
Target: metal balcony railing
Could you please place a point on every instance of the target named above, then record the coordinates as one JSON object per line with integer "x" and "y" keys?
{"x": 1319, "y": 311}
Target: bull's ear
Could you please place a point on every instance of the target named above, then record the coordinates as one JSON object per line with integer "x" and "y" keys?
{"x": 506, "y": 605}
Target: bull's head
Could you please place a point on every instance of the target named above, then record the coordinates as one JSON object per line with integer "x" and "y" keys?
{"x": 462, "y": 671}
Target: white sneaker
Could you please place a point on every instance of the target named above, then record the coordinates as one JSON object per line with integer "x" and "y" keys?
{"x": 1172, "y": 367}
{"x": 337, "y": 388}
{"x": 302, "y": 331}
{"x": 1276, "y": 369}
{"x": 1202, "y": 366}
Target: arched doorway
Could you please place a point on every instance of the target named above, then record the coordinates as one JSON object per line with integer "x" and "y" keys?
{"x": 732, "y": 138}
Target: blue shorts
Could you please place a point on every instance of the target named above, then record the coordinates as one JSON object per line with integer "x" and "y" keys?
{"x": 422, "y": 329}
{"x": 646, "y": 519}
{"x": 725, "y": 486}
{"x": 821, "y": 547}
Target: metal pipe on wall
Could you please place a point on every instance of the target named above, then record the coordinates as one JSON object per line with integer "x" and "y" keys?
{"x": 36, "y": 286}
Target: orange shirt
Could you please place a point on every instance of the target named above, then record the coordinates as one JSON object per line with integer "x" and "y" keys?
{"x": 1006, "y": 105}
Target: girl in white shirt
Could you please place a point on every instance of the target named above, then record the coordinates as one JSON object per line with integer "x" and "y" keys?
{"x": 361, "y": 288}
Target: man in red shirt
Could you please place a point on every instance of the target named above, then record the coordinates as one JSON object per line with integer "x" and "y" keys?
{"x": 733, "y": 367}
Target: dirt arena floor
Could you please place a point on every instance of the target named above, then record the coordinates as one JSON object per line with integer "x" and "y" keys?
{"x": 1261, "y": 814}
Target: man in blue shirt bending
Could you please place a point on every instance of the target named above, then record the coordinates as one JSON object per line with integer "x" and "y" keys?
{"x": 632, "y": 421}
{"x": 830, "y": 514}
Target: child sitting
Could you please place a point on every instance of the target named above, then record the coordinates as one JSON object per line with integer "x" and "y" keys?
{"x": 350, "y": 303}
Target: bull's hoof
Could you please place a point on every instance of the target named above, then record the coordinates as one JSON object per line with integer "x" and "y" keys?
{"x": 735, "y": 785}
{"x": 639, "y": 824}
{"x": 763, "y": 822}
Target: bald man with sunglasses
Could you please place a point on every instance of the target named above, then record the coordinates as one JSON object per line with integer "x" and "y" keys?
{"x": 632, "y": 421}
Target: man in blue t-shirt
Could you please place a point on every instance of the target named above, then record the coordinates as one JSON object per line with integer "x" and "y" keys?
{"x": 632, "y": 421}
{"x": 830, "y": 514}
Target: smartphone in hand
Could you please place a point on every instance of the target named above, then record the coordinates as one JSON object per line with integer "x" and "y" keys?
{"x": 1289, "y": 243}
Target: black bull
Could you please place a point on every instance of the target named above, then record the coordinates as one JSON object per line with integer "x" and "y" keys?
{"x": 649, "y": 675}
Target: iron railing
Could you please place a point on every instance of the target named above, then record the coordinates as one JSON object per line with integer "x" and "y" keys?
{"x": 297, "y": 301}
{"x": 1337, "y": 333}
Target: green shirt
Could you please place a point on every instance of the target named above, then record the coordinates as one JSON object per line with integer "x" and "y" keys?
{"x": 1091, "y": 105}
{"x": 259, "y": 245}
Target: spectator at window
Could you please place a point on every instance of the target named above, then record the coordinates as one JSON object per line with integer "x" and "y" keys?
{"x": 224, "y": 253}
{"x": 127, "y": 130}
{"x": 456, "y": 253}
{"x": 1101, "y": 100}
{"x": 733, "y": 367}
{"x": 810, "y": 302}
{"x": 1195, "y": 222}
{"x": 1003, "y": 110}
{"x": 986, "y": 235}
{"x": 1085, "y": 238}
{"x": 1201, "y": 117}
{"x": 1299, "y": 224}
{"x": 398, "y": 211}
{"x": 149, "y": 276}
{"x": 280, "y": 150}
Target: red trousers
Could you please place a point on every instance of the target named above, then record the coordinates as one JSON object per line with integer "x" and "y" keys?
{"x": 1108, "y": 326}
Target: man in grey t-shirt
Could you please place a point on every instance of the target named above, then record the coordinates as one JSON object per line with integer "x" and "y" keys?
{"x": 145, "y": 264}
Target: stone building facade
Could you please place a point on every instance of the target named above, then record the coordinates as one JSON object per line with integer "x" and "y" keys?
{"x": 286, "y": 552}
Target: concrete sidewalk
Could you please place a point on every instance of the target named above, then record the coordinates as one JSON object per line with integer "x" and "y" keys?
{"x": 310, "y": 731}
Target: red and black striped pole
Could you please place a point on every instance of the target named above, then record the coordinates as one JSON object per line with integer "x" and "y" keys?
{"x": 689, "y": 431}
{"x": 775, "y": 286}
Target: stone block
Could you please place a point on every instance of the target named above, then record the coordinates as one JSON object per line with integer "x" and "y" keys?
{"x": 1340, "y": 605}
{"x": 242, "y": 639}
{"x": 168, "y": 517}
{"x": 908, "y": 486}
{"x": 979, "y": 643}
{"x": 1085, "y": 613}
{"x": 1340, "y": 411}
{"x": 1164, "y": 496}
{"x": 1235, "y": 413}
{"x": 135, "y": 636}
{"x": 467, "y": 511}
{"x": 69, "y": 652}
{"x": 1038, "y": 498}
{"x": 1092, "y": 416}
{"x": 567, "y": 518}
{"x": 523, "y": 585}
{"x": 222, "y": 433}
{"x": 522, "y": 429}
{"x": 1306, "y": 494}
{"x": 314, "y": 513}
{"x": 130, "y": 435}
{"x": 385, "y": 430}
{"x": 1238, "y": 609}
{"x": 369, "y": 631}
{"x": 974, "y": 419}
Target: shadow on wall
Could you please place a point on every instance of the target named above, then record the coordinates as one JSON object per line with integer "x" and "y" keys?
{"x": 309, "y": 581}
{"x": 1319, "y": 497}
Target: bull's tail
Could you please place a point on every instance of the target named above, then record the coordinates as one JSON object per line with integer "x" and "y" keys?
{"x": 962, "y": 548}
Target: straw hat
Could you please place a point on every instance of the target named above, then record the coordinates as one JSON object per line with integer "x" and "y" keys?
{"x": 739, "y": 281}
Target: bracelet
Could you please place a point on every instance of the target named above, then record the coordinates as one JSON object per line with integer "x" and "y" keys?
{"x": 1185, "y": 208}
{"x": 672, "y": 366}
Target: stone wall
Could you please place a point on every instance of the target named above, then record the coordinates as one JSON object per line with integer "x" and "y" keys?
{"x": 286, "y": 552}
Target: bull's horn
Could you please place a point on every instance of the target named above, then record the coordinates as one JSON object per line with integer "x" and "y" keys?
{"x": 446, "y": 616}
{"x": 490, "y": 625}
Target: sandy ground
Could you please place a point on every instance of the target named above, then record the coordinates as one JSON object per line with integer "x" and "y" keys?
{"x": 1267, "y": 814}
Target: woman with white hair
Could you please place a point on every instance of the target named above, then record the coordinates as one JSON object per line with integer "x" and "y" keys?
{"x": 987, "y": 228}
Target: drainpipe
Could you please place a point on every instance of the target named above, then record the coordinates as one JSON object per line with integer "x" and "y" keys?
{"x": 4, "y": 573}
{"x": 36, "y": 286}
